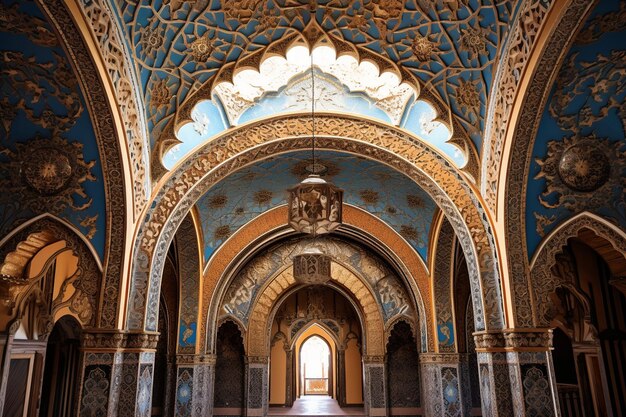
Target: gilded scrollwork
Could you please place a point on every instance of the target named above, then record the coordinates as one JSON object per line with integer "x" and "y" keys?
{"x": 119, "y": 66}
{"x": 515, "y": 61}
{"x": 522, "y": 145}
{"x": 225, "y": 154}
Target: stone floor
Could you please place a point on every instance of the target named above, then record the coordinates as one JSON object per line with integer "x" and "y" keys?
{"x": 316, "y": 405}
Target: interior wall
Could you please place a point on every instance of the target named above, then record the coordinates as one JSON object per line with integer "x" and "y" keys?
{"x": 278, "y": 374}
{"x": 354, "y": 373}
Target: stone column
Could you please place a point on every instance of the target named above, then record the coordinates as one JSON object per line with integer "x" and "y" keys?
{"x": 290, "y": 377}
{"x": 195, "y": 380}
{"x": 445, "y": 382}
{"x": 257, "y": 385}
{"x": 341, "y": 376}
{"x": 117, "y": 370}
{"x": 516, "y": 373}
{"x": 375, "y": 389}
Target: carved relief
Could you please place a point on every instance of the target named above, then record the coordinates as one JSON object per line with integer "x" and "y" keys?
{"x": 522, "y": 145}
{"x": 108, "y": 34}
{"x": 174, "y": 201}
{"x": 110, "y": 155}
{"x": 513, "y": 64}
{"x": 543, "y": 281}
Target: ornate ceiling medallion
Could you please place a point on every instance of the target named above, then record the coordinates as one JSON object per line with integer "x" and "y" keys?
{"x": 582, "y": 172}
{"x": 47, "y": 175}
{"x": 311, "y": 267}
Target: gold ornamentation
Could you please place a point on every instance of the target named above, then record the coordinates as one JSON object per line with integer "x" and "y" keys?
{"x": 351, "y": 134}
{"x": 474, "y": 41}
{"x": 468, "y": 96}
{"x": 369, "y": 196}
{"x": 524, "y": 138}
{"x": 520, "y": 44}
{"x": 107, "y": 32}
{"x": 201, "y": 48}
{"x": 109, "y": 150}
{"x": 422, "y": 48}
{"x": 218, "y": 201}
{"x": 263, "y": 197}
{"x": 583, "y": 173}
{"x": 161, "y": 95}
{"x": 151, "y": 40}
{"x": 51, "y": 168}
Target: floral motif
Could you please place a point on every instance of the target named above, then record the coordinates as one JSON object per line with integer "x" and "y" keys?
{"x": 474, "y": 41}
{"x": 468, "y": 96}
{"x": 160, "y": 94}
{"x": 151, "y": 40}
{"x": 201, "y": 48}
{"x": 422, "y": 48}
{"x": 583, "y": 173}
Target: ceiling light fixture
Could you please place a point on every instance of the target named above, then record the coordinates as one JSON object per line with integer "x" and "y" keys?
{"x": 315, "y": 206}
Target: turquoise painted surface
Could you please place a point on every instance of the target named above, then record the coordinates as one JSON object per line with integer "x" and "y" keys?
{"x": 35, "y": 104}
{"x": 587, "y": 100}
{"x": 374, "y": 187}
{"x": 465, "y": 37}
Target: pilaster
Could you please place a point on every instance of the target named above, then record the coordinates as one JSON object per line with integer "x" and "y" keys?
{"x": 117, "y": 371}
{"x": 375, "y": 389}
{"x": 445, "y": 382}
{"x": 195, "y": 381}
{"x": 257, "y": 385}
{"x": 516, "y": 373}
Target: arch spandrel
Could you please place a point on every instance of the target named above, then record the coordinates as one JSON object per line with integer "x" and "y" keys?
{"x": 434, "y": 173}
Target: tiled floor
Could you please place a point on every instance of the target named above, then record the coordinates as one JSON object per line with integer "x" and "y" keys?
{"x": 316, "y": 405}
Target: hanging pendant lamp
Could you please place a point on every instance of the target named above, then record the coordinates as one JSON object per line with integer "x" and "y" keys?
{"x": 315, "y": 205}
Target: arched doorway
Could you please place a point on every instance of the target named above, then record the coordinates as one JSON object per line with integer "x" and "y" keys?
{"x": 317, "y": 366}
{"x": 229, "y": 372}
{"x": 315, "y": 370}
{"x": 587, "y": 311}
{"x": 58, "y": 395}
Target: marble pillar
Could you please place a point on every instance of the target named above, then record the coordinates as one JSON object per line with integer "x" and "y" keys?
{"x": 516, "y": 373}
{"x": 116, "y": 373}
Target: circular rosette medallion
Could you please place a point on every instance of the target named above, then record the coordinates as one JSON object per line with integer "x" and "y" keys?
{"x": 583, "y": 167}
{"x": 47, "y": 170}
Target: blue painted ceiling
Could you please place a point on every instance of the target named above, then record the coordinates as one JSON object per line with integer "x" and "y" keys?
{"x": 579, "y": 156}
{"x": 372, "y": 186}
{"x": 49, "y": 160}
{"x": 450, "y": 46}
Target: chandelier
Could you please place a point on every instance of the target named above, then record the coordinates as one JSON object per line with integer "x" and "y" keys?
{"x": 314, "y": 204}
{"x": 311, "y": 267}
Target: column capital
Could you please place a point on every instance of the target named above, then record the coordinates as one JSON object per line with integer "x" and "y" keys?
{"x": 261, "y": 360}
{"x": 443, "y": 358}
{"x": 114, "y": 340}
{"x": 373, "y": 359}
{"x": 193, "y": 359}
{"x": 512, "y": 340}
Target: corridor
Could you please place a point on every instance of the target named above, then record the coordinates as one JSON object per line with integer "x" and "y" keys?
{"x": 315, "y": 405}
